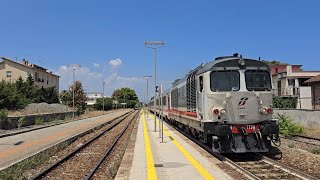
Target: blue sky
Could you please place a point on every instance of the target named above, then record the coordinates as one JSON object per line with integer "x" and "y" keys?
{"x": 54, "y": 33}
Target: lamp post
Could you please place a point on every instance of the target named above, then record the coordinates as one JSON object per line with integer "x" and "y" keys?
{"x": 103, "y": 83}
{"x": 147, "y": 77}
{"x": 154, "y": 45}
{"x": 74, "y": 67}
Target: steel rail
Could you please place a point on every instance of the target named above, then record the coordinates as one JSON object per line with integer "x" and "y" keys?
{"x": 93, "y": 171}
{"x": 286, "y": 168}
{"x": 297, "y": 140}
{"x": 66, "y": 157}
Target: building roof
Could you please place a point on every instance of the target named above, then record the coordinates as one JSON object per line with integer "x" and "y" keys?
{"x": 31, "y": 66}
{"x": 313, "y": 80}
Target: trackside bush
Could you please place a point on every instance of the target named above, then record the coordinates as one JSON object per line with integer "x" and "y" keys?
{"x": 3, "y": 115}
{"x": 287, "y": 126}
{"x": 22, "y": 122}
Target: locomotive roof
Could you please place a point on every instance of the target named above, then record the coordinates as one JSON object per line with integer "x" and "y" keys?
{"x": 225, "y": 63}
{"x": 228, "y": 63}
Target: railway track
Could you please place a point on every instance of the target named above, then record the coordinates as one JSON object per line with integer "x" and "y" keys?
{"x": 85, "y": 160}
{"x": 254, "y": 166}
{"x": 304, "y": 139}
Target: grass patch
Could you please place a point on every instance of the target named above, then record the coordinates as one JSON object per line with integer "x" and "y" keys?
{"x": 22, "y": 122}
{"x": 316, "y": 150}
{"x": 287, "y": 126}
{"x": 38, "y": 121}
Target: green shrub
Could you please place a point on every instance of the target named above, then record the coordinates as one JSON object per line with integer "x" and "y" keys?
{"x": 3, "y": 115}
{"x": 284, "y": 102}
{"x": 22, "y": 122}
{"x": 38, "y": 121}
{"x": 287, "y": 126}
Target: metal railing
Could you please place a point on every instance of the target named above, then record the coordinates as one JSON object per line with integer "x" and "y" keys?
{"x": 288, "y": 91}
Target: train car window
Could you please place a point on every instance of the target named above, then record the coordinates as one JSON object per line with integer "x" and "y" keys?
{"x": 225, "y": 81}
{"x": 201, "y": 83}
{"x": 257, "y": 80}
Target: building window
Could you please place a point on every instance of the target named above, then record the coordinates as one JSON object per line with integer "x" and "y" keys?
{"x": 9, "y": 74}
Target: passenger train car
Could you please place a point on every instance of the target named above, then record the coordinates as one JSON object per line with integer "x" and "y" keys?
{"x": 226, "y": 103}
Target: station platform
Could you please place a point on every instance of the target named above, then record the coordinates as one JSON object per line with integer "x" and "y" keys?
{"x": 21, "y": 146}
{"x": 175, "y": 158}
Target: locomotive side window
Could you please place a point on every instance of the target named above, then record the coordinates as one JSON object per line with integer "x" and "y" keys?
{"x": 225, "y": 81}
{"x": 257, "y": 80}
{"x": 201, "y": 83}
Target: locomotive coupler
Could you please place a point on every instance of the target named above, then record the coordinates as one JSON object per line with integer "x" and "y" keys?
{"x": 232, "y": 142}
{"x": 258, "y": 140}
{"x": 244, "y": 137}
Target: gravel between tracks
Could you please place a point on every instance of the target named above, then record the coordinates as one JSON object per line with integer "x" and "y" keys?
{"x": 108, "y": 169}
{"x": 296, "y": 154}
{"x": 78, "y": 165}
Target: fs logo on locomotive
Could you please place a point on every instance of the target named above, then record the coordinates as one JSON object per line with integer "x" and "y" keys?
{"x": 243, "y": 101}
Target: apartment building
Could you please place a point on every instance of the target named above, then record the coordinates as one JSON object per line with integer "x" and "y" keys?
{"x": 289, "y": 81}
{"x": 11, "y": 71}
{"x": 92, "y": 97}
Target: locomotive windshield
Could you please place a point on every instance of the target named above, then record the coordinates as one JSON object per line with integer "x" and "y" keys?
{"x": 225, "y": 81}
{"x": 258, "y": 80}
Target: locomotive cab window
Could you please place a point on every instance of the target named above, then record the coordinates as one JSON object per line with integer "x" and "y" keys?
{"x": 257, "y": 80}
{"x": 225, "y": 81}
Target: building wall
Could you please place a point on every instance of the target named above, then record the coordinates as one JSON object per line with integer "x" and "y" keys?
{"x": 307, "y": 118}
{"x": 17, "y": 70}
{"x": 305, "y": 98}
{"x": 92, "y": 98}
{"x": 316, "y": 95}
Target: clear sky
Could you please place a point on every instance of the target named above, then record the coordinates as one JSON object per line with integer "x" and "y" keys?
{"x": 106, "y": 37}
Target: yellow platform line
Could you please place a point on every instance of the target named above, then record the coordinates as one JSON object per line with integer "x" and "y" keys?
{"x": 151, "y": 170}
{"x": 194, "y": 162}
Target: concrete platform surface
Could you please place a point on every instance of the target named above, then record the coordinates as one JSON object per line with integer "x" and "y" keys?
{"x": 20, "y": 146}
{"x": 174, "y": 158}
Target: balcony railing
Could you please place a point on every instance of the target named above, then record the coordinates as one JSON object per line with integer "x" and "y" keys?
{"x": 288, "y": 91}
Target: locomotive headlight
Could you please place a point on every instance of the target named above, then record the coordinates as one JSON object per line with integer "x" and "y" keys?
{"x": 222, "y": 111}
{"x": 264, "y": 111}
{"x": 269, "y": 110}
{"x": 241, "y": 62}
{"x": 216, "y": 111}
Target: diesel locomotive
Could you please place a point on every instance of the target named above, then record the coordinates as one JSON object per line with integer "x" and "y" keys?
{"x": 225, "y": 103}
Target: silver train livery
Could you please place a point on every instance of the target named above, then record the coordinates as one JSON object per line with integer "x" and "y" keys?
{"x": 225, "y": 103}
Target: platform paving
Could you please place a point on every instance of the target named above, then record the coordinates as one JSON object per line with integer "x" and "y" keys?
{"x": 174, "y": 158}
{"x": 18, "y": 147}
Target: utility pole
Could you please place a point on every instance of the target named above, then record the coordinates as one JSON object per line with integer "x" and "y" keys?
{"x": 103, "y": 96}
{"x": 154, "y": 45}
{"x": 74, "y": 67}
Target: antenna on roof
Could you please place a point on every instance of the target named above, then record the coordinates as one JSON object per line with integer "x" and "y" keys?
{"x": 235, "y": 55}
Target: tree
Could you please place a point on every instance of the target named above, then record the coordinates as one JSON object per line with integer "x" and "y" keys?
{"x": 79, "y": 97}
{"x": 65, "y": 97}
{"x": 126, "y": 95}
{"x": 107, "y": 104}
{"x": 49, "y": 95}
